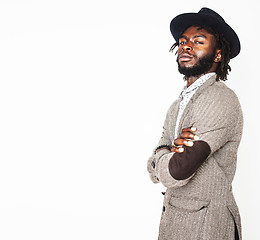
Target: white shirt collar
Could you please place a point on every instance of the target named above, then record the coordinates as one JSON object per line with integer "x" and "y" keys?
{"x": 196, "y": 84}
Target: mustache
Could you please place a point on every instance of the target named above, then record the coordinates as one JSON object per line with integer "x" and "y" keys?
{"x": 185, "y": 53}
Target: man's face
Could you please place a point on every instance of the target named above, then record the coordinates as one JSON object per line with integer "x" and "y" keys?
{"x": 196, "y": 54}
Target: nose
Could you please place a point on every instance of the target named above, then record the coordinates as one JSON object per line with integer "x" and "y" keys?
{"x": 186, "y": 47}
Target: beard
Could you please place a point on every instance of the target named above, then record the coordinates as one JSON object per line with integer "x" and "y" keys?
{"x": 201, "y": 67}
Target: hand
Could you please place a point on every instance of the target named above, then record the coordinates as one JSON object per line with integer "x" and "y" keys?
{"x": 185, "y": 139}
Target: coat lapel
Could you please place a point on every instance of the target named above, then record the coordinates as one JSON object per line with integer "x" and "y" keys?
{"x": 187, "y": 109}
{"x": 174, "y": 119}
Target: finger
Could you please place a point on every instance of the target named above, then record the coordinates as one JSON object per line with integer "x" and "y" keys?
{"x": 178, "y": 142}
{"x": 177, "y": 149}
{"x": 189, "y": 129}
{"x": 189, "y": 135}
{"x": 181, "y": 142}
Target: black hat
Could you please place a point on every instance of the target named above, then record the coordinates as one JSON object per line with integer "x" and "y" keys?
{"x": 206, "y": 18}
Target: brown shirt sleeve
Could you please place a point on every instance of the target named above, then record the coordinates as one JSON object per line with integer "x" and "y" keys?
{"x": 183, "y": 165}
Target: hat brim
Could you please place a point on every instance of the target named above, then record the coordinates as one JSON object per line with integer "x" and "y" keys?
{"x": 183, "y": 21}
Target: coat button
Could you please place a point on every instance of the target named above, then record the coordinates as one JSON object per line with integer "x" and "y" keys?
{"x": 153, "y": 164}
{"x": 163, "y": 208}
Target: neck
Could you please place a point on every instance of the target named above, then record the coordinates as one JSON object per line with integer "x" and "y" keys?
{"x": 190, "y": 80}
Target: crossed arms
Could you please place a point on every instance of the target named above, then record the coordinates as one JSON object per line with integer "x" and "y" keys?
{"x": 187, "y": 155}
{"x": 216, "y": 122}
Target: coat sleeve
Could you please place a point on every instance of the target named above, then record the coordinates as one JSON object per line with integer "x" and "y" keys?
{"x": 165, "y": 140}
{"x": 161, "y": 171}
{"x": 157, "y": 165}
{"x": 217, "y": 117}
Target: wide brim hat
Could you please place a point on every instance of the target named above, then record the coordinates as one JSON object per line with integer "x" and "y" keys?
{"x": 206, "y": 18}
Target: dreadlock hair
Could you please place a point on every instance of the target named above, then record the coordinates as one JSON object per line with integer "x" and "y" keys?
{"x": 221, "y": 43}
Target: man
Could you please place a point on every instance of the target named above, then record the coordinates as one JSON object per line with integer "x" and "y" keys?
{"x": 195, "y": 158}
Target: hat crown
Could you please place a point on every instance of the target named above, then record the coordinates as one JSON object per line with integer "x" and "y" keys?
{"x": 209, "y": 12}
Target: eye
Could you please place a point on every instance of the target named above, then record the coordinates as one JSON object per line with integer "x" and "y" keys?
{"x": 182, "y": 42}
{"x": 198, "y": 42}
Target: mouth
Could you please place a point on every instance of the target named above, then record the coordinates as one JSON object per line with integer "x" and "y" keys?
{"x": 185, "y": 57}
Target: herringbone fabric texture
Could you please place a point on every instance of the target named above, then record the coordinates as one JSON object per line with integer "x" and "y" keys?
{"x": 202, "y": 207}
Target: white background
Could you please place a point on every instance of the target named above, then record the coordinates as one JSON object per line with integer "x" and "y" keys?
{"x": 84, "y": 90}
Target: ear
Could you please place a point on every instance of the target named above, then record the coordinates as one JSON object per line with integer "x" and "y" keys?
{"x": 217, "y": 56}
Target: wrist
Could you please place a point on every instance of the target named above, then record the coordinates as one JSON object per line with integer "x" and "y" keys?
{"x": 161, "y": 147}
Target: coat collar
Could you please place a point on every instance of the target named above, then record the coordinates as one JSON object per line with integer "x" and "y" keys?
{"x": 205, "y": 85}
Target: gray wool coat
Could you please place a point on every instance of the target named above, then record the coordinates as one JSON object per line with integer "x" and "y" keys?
{"x": 202, "y": 207}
